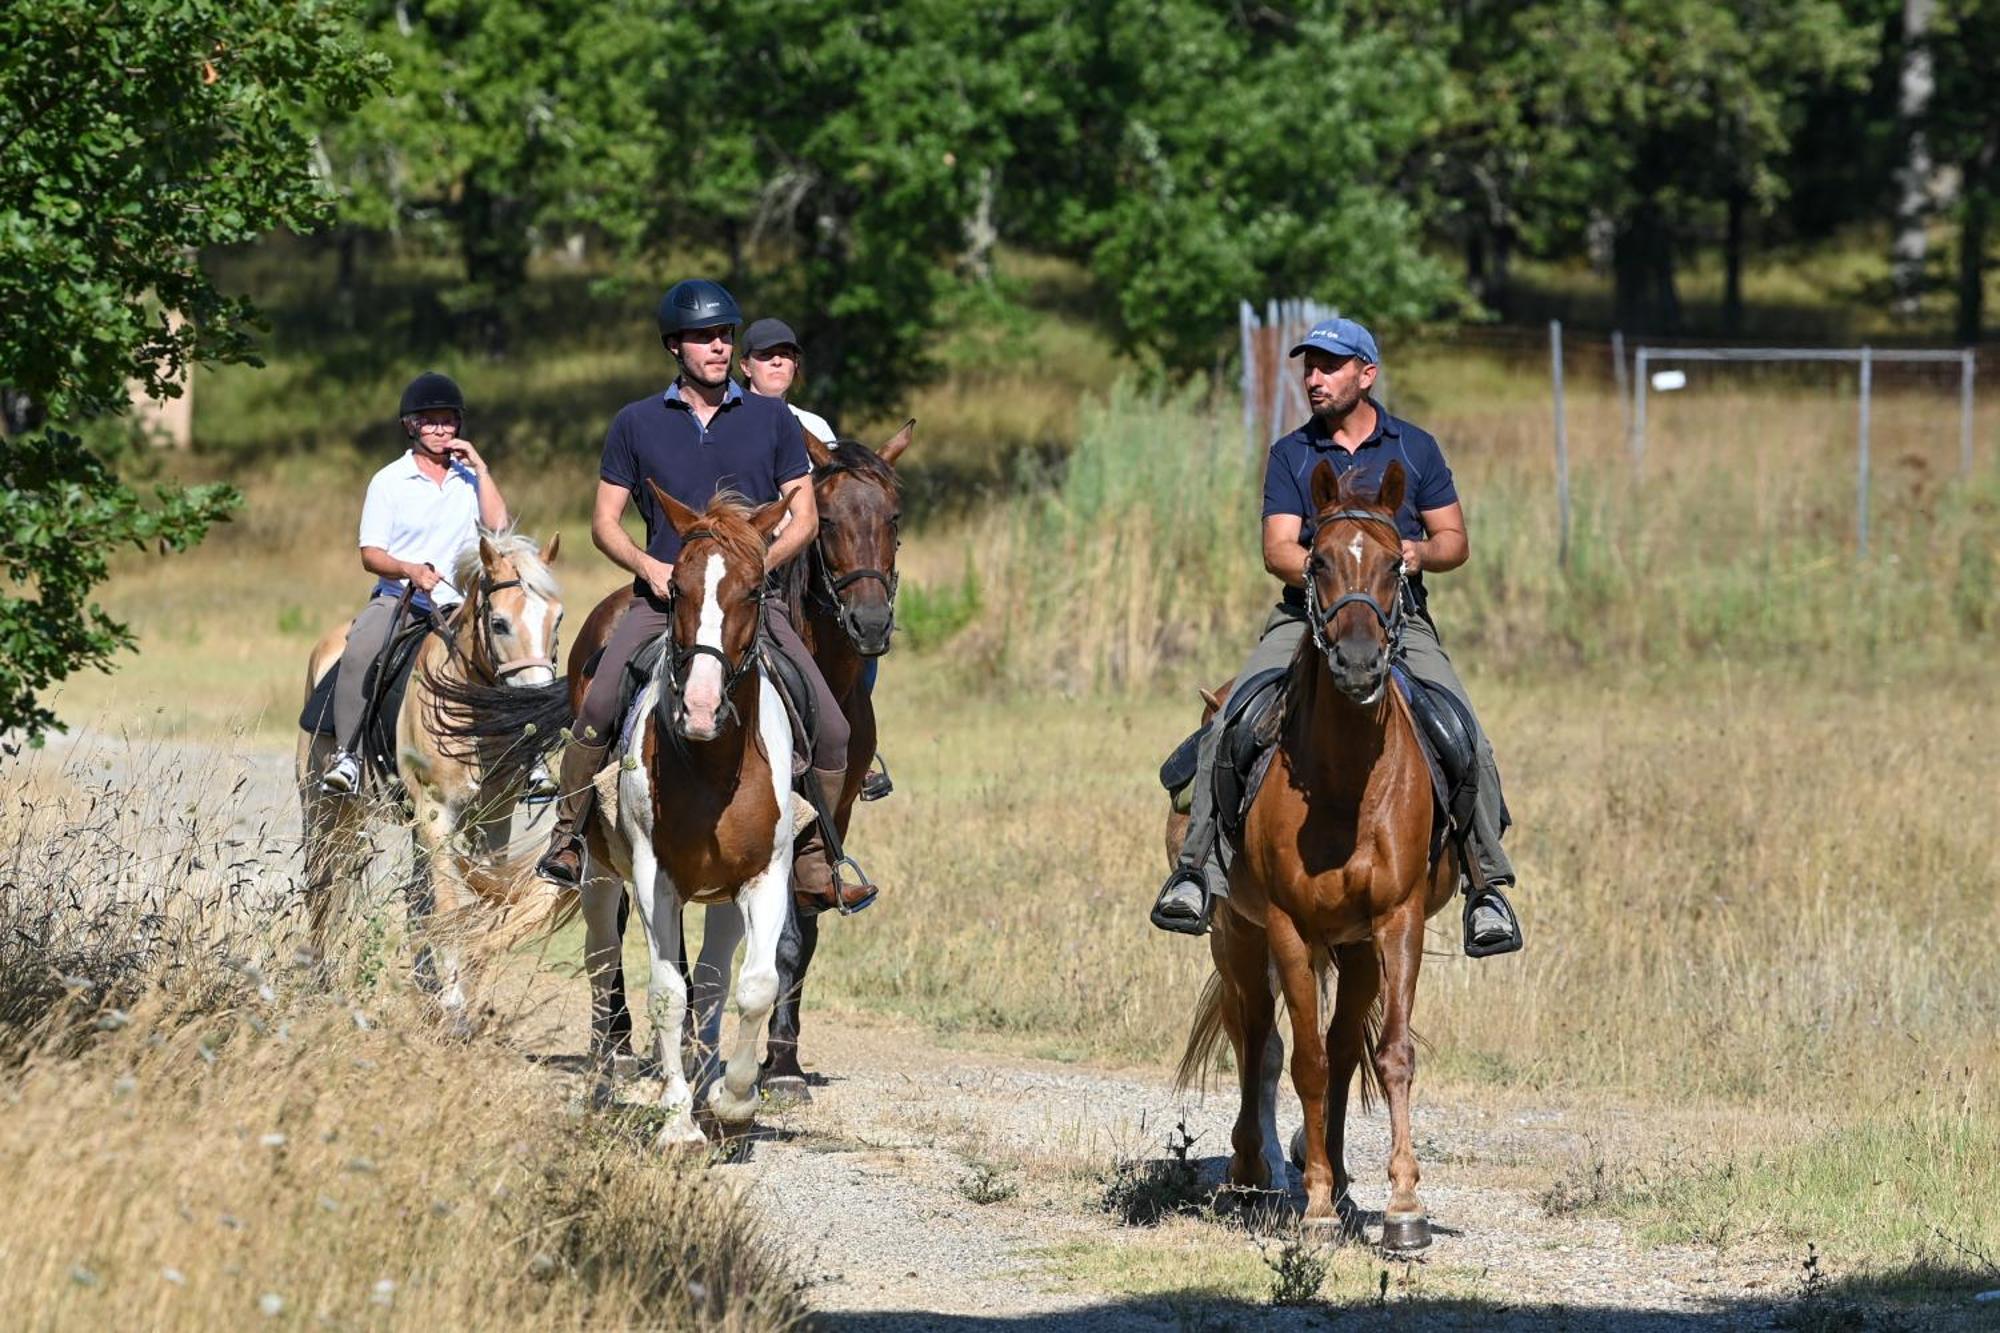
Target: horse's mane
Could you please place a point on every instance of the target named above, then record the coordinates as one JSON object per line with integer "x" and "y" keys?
{"x": 727, "y": 520}
{"x": 853, "y": 456}
{"x": 511, "y": 545}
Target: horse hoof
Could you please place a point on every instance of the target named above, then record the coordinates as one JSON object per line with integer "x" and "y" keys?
{"x": 787, "y": 1090}
{"x": 729, "y": 1110}
{"x": 1405, "y": 1235}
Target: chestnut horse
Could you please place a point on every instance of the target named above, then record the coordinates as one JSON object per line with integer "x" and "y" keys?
{"x": 704, "y": 806}
{"x": 843, "y": 598}
{"x": 482, "y": 702}
{"x": 1334, "y": 867}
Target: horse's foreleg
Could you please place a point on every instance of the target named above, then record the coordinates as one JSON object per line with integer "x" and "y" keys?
{"x": 1292, "y": 957}
{"x": 603, "y": 903}
{"x": 1346, "y": 1047}
{"x": 783, "y": 1075}
{"x": 722, "y": 931}
{"x": 1399, "y": 945}
{"x": 734, "y": 1098}
{"x": 1250, "y": 1018}
{"x": 666, "y": 993}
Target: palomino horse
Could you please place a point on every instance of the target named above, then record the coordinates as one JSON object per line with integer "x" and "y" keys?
{"x": 843, "y": 596}
{"x": 465, "y": 739}
{"x": 1335, "y": 866}
{"x": 704, "y": 809}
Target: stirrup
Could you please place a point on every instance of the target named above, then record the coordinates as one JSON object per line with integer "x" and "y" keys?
{"x": 862, "y": 881}
{"x": 547, "y": 869}
{"x": 874, "y": 786}
{"x": 1181, "y": 925}
{"x": 1491, "y": 896}
{"x": 541, "y": 787}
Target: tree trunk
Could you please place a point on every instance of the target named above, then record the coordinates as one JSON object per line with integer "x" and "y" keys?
{"x": 19, "y": 413}
{"x": 1642, "y": 264}
{"x": 1972, "y": 261}
{"x": 1913, "y": 178}
{"x": 1732, "y": 271}
{"x": 980, "y": 230}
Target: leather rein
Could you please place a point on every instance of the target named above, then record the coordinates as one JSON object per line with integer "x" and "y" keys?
{"x": 1391, "y": 619}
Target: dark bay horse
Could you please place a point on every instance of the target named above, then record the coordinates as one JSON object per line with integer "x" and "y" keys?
{"x": 704, "y": 807}
{"x": 843, "y": 596}
{"x": 1334, "y": 869}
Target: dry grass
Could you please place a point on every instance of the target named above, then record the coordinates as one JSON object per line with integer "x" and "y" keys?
{"x": 208, "y": 1132}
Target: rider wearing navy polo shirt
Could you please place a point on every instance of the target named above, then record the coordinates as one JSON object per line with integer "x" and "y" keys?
{"x": 701, "y": 436}
{"x": 1356, "y": 435}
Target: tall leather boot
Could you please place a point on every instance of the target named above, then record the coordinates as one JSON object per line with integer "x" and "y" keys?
{"x": 814, "y": 883}
{"x": 577, "y": 797}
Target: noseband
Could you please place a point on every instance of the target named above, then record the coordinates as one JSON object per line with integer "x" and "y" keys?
{"x": 831, "y": 588}
{"x": 678, "y": 659}
{"x": 1391, "y": 619}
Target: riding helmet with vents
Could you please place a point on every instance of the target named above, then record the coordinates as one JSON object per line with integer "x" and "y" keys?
{"x": 697, "y": 303}
{"x": 432, "y": 390}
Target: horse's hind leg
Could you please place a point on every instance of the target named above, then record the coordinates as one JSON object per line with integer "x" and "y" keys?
{"x": 1399, "y": 944}
{"x": 708, "y": 981}
{"x": 733, "y": 1098}
{"x": 784, "y": 1077}
{"x": 603, "y": 907}
{"x": 1360, "y": 981}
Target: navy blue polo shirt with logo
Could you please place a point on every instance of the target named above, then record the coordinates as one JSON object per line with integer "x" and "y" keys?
{"x": 1427, "y": 480}
{"x": 752, "y": 446}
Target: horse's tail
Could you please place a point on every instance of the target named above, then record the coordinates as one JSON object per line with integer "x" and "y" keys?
{"x": 1206, "y": 1038}
{"x": 539, "y": 908}
{"x": 1372, "y": 1094}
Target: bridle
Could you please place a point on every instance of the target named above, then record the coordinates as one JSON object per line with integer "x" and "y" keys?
{"x": 1391, "y": 619}
{"x": 503, "y": 669}
{"x": 677, "y": 659}
{"x": 831, "y": 588}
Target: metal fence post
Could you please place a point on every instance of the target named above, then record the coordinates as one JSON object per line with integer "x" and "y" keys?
{"x": 1246, "y": 320}
{"x": 1562, "y": 446}
{"x": 1639, "y": 410}
{"x": 1965, "y": 368}
{"x": 1861, "y": 466}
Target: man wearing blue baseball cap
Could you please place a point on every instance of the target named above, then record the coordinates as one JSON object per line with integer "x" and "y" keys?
{"x": 1352, "y": 432}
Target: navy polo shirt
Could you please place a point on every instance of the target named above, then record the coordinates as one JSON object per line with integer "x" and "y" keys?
{"x": 752, "y": 446}
{"x": 1427, "y": 480}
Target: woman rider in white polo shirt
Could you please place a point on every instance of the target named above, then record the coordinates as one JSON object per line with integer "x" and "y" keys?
{"x": 421, "y": 511}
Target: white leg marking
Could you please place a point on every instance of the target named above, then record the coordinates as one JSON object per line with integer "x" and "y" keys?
{"x": 763, "y": 902}
{"x": 721, "y": 932}
{"x": 666, "y": 992}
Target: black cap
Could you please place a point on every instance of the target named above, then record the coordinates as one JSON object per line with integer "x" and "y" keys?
{"x": 767, "y": 333}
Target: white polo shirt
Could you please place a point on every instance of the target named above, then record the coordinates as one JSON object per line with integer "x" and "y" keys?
{"x": 814, "y": 422}
{"x": 422, "y": 521}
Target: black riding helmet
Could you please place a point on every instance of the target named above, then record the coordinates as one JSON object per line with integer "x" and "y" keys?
{"x": 697, "y": 303}
{"x": 432, "y": 390}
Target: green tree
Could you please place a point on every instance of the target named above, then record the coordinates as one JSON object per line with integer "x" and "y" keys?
{"x": 132, "y": 134}
{"x": 1964, "y": 123}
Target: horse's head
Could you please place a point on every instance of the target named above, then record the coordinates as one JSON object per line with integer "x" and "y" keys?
{"x": 860, "y": 506}
{"x": 717, "y": 608}
{"x": 1355, "y": 579}
{"x": 511, "y": 590}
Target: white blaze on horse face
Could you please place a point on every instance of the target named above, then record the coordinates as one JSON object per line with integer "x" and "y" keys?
{"x": 1354, "y": 549}
{"x": 703, "y": 696}
{"x": 535, "y": 630}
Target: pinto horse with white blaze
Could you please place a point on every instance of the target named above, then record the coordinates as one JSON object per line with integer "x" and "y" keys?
{"x": 1334, "y": 870}
{"x": 704, "y": 806}
{"x": 482, "y": 704}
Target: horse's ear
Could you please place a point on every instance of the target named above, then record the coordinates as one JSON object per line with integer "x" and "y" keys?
{"x": 489, "y": 555}
{"x": 768, "y": 517}
{"x": 1390, "y": 496}
{"x": 898, "y": 442}
{"x": 816, "y": 449}
{"x": 1325, "y": 487}
{"x": 685, "y": 520}
{"x": 549, "y": 551}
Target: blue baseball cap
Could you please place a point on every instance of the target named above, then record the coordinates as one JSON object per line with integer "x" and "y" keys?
{"x": 1342, "y": 337}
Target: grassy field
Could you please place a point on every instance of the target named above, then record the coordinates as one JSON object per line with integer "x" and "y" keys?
{"x": 1752, "y": 773}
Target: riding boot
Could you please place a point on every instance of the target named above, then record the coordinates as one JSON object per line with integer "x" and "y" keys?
{"x": 563, "y": 862}
{"x": 816, "y": 882}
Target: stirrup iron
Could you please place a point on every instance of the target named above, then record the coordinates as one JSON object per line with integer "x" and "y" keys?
{"x": 861, "y": 881}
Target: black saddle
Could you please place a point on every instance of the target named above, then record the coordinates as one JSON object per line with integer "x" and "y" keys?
{"x": 1250, "y": 717}
{"x": 387, "y": 681}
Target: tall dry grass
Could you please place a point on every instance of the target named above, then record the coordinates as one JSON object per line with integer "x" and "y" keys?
{"x": 202, "y": 1132}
